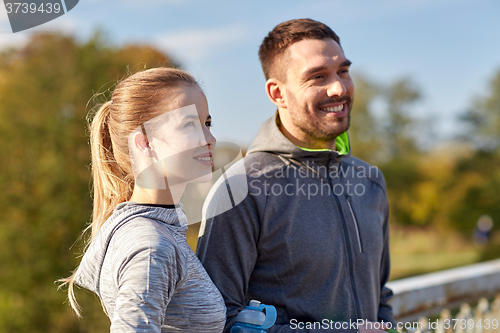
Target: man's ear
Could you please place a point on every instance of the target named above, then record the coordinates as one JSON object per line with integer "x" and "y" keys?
{"x": 276, "y": 92}
{"x": 141, "y": 145}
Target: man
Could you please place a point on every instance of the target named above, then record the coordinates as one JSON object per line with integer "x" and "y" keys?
{"x": 311, "y": 236}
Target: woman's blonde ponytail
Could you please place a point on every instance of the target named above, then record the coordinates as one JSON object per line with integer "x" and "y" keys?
{"x": 112, "y": 185}
{"x": 109, "y": 187}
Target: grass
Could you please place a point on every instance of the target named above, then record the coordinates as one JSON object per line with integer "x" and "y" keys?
{"x": 417, "y": 251}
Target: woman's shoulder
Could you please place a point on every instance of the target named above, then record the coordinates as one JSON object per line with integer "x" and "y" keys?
{"x": 144, "y": 229}
{"x": 142, "y": 234}
{"x": 145, "y": 245}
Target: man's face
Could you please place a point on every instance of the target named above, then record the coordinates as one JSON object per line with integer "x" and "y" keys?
{"x": 318, "y": 92}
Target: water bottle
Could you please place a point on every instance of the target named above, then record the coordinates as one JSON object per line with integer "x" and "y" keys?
{"x": 253, "y": 319}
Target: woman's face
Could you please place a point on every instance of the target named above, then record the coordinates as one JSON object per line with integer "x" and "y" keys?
{"x": 180, "y": 143}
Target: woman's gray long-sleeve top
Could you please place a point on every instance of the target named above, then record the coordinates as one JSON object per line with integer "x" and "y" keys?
{"x": 147, "y": 276}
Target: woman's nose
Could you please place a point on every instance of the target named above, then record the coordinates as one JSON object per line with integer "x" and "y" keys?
{"x": 210, "y": 139}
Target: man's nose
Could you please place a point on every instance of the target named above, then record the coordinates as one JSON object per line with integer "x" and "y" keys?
{"x": 336, "y": 88}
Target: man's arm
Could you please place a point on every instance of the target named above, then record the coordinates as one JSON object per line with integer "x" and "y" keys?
{"x": 227, "y": 248}
{"x": 385, "y": 309}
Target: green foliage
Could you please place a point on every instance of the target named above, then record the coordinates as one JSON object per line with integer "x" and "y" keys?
{"x": 45, "y": 176}
{"x": 450, "y": 186}
{"x": 389, "y": 134}
{"x": 420, "y": 250}
{"x": 484, "y": 117}
{"x": 399, "y": 96}
{"x": 492, "y": 249}
{"x": 364, "y": 132}
{"x": 402, "y": 177}
{"x": 481, "y": 196}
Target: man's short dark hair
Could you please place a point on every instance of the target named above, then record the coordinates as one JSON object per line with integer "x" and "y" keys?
{"x": 286, "y": 34}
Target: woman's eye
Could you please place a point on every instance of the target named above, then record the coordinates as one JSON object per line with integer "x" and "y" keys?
{"x": 191, "y": 123}
{"x": 208, "y": 124}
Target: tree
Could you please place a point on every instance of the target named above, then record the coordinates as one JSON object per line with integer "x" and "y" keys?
{"x": 365, "y": 130}
{"x": 45, "y": 202}
{"x": 483, "y": 117}
{"x": 398, "y": 129}
{"x": 378, "y": 138}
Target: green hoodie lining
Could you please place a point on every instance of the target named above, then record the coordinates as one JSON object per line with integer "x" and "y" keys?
{"x": 342, "y": 143}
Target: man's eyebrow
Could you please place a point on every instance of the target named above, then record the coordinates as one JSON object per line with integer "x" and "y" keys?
{"x": 313, "y": 70}
{"x": 310, "y": 71}
{"x": 346, "y": 63}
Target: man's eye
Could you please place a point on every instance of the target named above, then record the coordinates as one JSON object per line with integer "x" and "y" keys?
{"x": 208, "y": 124}
{"x": 317, "y": 77}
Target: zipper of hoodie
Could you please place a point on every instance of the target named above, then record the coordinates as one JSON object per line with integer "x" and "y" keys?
{"x": 348, "y": 248}
{"x": 355, "y": 223}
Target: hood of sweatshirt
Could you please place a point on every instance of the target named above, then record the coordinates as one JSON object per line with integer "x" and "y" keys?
{"x": 271, "y": 140}
{"x": 88, "y": 273}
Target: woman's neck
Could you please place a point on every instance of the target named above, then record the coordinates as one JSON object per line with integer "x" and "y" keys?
{"x": 170, "y": 196}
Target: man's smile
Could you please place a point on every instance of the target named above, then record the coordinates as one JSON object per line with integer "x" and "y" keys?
{"x": 333, "y": 108}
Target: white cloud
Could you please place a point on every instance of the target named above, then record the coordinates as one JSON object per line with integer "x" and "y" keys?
{"x": 195, "y": 45}
{"x": 368, "y": 10}
{"x": 148, "y": 3}
{"x": 8, "y": 39}
{"x": 4, "y": 18}
{"x": 64, "y": 24}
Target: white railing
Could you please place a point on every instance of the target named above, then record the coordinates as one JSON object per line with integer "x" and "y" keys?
{"x": 436, "y": 295}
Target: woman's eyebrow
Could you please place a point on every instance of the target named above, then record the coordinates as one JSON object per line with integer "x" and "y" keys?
{"x": 193, "y": 116}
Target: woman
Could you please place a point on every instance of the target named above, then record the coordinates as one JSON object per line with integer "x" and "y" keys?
{"x": 147, "y": 143}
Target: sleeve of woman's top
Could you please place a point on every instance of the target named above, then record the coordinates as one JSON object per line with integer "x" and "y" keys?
{"x": 148, "y": 268}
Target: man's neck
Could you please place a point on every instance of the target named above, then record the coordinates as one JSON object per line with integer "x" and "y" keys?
{"x": 304, "y": 143}
{"x": 333, "y": 147}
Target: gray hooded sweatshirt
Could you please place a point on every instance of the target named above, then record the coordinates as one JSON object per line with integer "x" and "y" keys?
{"x": 305, "y": 231}
{"x": 147, "y": 276}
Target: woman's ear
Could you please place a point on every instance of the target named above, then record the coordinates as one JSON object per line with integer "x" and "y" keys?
{"x": 276, "y": 92}
{"x": 141, "y": 145}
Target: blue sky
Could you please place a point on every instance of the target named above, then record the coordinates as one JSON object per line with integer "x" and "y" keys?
{"x": 449, "y": 48}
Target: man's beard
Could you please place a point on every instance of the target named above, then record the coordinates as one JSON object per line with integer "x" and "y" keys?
{"x": 327, "y": 134}
{"x": 317, "y": 129}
